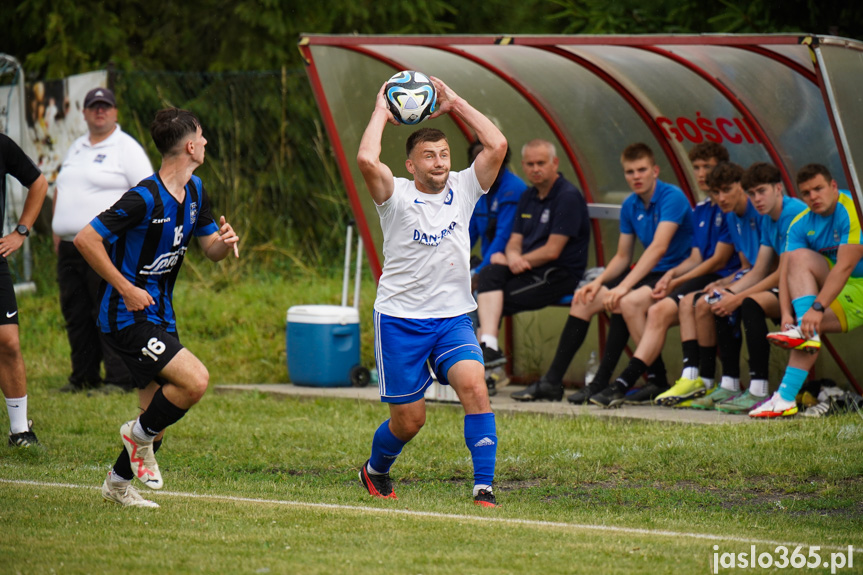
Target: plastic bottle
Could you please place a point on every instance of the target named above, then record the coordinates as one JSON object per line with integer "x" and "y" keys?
{"x": 591, "y": 368}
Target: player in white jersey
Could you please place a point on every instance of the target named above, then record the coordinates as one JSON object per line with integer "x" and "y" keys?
{"x": 424, "y": 291}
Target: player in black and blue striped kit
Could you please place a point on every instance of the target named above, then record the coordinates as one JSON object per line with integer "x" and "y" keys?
{"x": 149, "y": 230}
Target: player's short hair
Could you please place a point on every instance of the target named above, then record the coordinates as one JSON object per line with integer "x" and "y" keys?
{"x": 706, "y": 150}
{"x": 170, "y": 127}
{"x": 760, "y": 173}
{"x": 475, "y": 148}
{"x": 809, "y": 171}
{"x": 552, "y": 150}
{"x": 421, "y": 136}
{"x": 724, "y": 174}
{"x": 637, "y": 151}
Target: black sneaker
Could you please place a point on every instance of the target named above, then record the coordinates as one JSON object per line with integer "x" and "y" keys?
{"x": 377, "y": 485}
{"x": 25, "y": 438}
{"x": 491, "y": 385}
{"x": 492, "y": 357}
{"x": 485, "y": 498}
{"x": 542, "y": 389}
{"x": 611, "y": 396}
{"x": 583, "y": 395}
{"x": 644, "y": 395}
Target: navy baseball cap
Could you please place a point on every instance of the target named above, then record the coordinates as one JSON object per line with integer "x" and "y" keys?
{"x": 99, "y": 95}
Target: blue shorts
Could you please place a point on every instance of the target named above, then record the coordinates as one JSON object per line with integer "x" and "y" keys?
{"x": 406, "y": 350}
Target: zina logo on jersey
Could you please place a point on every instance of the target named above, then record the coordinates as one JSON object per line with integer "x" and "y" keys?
{"x": 433, "y": 239}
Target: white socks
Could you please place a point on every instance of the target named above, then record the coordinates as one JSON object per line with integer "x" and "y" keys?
{"x": 730, "y": 383}
{"x": 17, "y": 409}
{"x": 490, "y": 341}
{"x": 139, "y": 434}
{"x": 758, "y": 387}
{"x": 690, "y": 373}
{"x": 476, "y": 489}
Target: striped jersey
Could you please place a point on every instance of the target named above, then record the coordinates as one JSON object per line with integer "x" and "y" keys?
{"x": 149, "y": 232}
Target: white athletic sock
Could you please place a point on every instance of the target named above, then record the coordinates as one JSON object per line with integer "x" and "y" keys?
{"x": 730, "y": 383}
{"x": 17, "y": 409}
{"x": 490, "y": 341}
{"x": 138, "y": 433}
{"x": 117, "y": 480}
{"x": 708, "y": 382}
{"x": 690, "y": 373}
{"x": 477, "y": 487}
{"x": 372, "y": 470}
{"x": 758, "y": 387}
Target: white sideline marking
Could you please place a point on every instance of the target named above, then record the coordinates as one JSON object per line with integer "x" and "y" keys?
{"x": 434, "y": 515}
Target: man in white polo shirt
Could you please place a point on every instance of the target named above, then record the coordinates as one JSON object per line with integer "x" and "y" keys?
{"x": 100, "y": 167}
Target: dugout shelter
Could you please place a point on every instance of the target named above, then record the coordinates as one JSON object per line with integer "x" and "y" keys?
{"x": 785, "y": 99}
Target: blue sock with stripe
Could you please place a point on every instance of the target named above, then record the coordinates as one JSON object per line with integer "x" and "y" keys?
{"x": 385, "y": 448}
{"x": 792, "y": 381}
{"x": 801, "y": 305}
{"x": 480, "y": 436}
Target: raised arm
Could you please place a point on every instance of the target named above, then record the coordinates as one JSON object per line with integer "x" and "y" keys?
{"x": 219, "y": 244}
{"x": 377, "y": 175}
{"x": 488, "y": 162}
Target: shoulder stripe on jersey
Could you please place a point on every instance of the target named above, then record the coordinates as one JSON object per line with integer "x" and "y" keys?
{"x": 853, "y": 219}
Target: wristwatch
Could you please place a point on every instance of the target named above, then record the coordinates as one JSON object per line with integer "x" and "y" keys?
{"x": 818, "y": 307}
{"x": 23, "y": 230}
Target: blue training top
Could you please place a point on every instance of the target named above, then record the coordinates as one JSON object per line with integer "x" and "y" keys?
{"x": 825, "y": 234}
{"x": 668, "y": 204}
{"x": 775, "y": 234}
{"x": 149, "y": 232}
{"x": 492, "y": 218}
{"x": 711, "y": 228}
{"x": 745, "y": 231}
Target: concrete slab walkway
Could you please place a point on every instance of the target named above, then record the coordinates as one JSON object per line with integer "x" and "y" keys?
{"x": 502, "y": 402}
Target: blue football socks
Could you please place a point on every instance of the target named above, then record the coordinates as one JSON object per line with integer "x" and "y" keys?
{"x": 801, "y": 305}
{"x": 792, "y": 381}
{"x": 480, "y": 436}
{"x": 385, "y": 448}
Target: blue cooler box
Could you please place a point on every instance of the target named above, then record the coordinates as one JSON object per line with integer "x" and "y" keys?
{"x": 323, "y": 344}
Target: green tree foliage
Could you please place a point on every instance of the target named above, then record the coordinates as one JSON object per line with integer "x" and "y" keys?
{"x": 709, "y": 16}
{"x": 236, "y": 64}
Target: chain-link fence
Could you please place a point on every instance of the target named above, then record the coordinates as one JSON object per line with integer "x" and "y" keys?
{"x": 269, "y": 165}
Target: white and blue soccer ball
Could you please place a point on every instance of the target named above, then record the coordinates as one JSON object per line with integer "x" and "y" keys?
{"x": 411, "y": 96}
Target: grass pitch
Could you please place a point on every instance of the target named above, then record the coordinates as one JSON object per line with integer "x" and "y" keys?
{"x": 256, "y": 484}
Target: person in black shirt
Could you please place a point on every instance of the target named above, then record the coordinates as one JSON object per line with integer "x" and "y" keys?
{"x": 13, "y": 378}
{"x": 546, "y": 254}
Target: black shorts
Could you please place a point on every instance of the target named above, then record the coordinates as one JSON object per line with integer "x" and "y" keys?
{"x": 8, "y": 303}
{"x": 693, "y": 285}
{"x": 533, "y": 289}
{"x": 146, "y": 349}
{"x": 649, "y": 280}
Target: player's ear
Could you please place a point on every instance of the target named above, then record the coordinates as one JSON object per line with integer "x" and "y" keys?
{"x": 409, "y": 166}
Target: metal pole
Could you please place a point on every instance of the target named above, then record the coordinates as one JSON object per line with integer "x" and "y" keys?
{"x": 348, "y": 241}
{"x": 358, "y": 272}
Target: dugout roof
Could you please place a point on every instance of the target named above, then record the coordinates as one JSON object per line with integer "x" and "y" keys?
{"x": 786, "y": 99}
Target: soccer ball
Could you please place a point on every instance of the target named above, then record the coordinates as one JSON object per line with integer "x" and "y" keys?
{"x": 411, "y": 96}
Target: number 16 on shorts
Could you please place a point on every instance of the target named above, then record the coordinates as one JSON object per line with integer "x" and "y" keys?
{"x": 780, "y": 558}
{"x": 154, "y": 349}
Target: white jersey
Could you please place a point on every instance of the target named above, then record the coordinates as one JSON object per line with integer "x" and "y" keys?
{"x": 92, "y": 179}
{"x": 427, "y": 249}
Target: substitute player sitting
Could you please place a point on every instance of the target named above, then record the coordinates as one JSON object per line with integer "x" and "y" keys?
{"x": 149, "y": 230}
{"x": 424, "y": 291}
{"x": 821, "y": 281}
